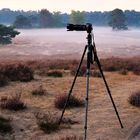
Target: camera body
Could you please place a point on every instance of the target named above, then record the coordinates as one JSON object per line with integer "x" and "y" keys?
{"x": 79, "y": 27}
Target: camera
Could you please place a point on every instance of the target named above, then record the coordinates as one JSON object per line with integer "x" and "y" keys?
{"x": 78, "y": 27}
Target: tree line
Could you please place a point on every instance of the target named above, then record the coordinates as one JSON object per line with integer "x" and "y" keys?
{"x": 45, "y": 18}
{"x": 117, "y": 19}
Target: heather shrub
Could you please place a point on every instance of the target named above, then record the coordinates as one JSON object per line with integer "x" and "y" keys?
{"x": 39, "y": 91}
{"x": 73, "y": 137}
{"x": 55, "y": 73}
{"x": 123, "y": 72}
{"x": 12, "y": 103}
{"x": 3, "y": 80}
{"x": 47, "y": 122}
{"x": 134, "y": 99}
{"x": 82, "y": 71}
{"x": 5, "y": 126}
{"x": 73, "y": 102}
{"x": 17, "y": 72}
{"x": 136, "y": 70}
{"x": 95, "y": 73}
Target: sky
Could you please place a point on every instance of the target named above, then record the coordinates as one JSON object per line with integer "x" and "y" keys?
{"x": 68, "y": 5}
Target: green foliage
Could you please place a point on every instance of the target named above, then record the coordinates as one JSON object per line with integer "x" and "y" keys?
{"x": 22, "y": 22}
{"x": 117, "y": 20}
{"x": 77, "y": 17}
{"x": 57, "y": 19}
{"x": 45, "y": 18}
{"x": 7, "y": 33}
{"x": 98, "y": 18}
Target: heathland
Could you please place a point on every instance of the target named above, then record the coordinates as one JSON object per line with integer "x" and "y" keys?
{"x": 37, "y": 70}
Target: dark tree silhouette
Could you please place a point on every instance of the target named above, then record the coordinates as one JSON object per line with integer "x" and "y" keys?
{"x": 46, "y": 19}
{"x": 22, "y": 22}
{"x": 118, "y": 20}
{"x": 77, "y": 17}
{"x": 6, "y": 34}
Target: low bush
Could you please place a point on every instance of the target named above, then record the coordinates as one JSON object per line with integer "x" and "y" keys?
{"x": 73, "y": 137}
{"x": 39, "y": 91}
{"x": 73, "y": 102}
{"x": 3, "y": 80}
{"x": 96, "y": 73}
{"x": 17, "y": 72}
{"x": 5, "y": 126}
{"x": 136, "y": 70}
{"x": 55, "y": 74}
{"x": 82, "y": 71}
{"x": 12, "y": 103}
{"x": 47, "y": 122}
{"x": 123, "y": 72}
{"x": 134, "y": 99}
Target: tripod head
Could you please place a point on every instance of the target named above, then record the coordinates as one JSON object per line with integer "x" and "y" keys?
{"x": 79, "y": 27}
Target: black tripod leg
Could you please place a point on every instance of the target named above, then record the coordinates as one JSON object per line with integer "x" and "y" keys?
{"x": 72, "y": 86}
{"x": 107, "y": 87}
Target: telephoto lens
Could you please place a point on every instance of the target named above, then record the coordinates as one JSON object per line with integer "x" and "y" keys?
{"x": 77, "y": 27}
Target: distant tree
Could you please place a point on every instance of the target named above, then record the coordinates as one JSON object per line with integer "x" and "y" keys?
{"x": 118, "y": 20}
{"x": 57, "y": 19}
{"x": 133, "y": 18}
{"x": 77, "y": 17}
{"x": 6, "y": 34}
{"x": 22, "y": 22}
{"x": 34, "y": 20}
{"x": 46, "y": 19}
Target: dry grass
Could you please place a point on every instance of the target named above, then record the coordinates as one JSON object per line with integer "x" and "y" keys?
{"x": 102, "y": 122}
{"x": 44, "y": 66}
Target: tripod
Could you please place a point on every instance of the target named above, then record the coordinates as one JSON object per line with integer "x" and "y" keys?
{"x": 91, "y": 51}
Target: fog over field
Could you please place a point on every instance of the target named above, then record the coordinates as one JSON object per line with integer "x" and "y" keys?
{"x": 42, "y": 42}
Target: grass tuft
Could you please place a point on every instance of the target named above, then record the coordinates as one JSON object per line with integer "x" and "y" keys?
{"x": 134, "y": 99}
{"x": 55, "y": 73}
{"x": 47, "y": 122}
{"x": 40, "y": 91}
{"x": 73, "y": 102}
{"x": 12, "y": 103}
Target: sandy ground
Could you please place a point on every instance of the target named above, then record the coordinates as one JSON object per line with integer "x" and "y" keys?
{"x": 102, "y": 121}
